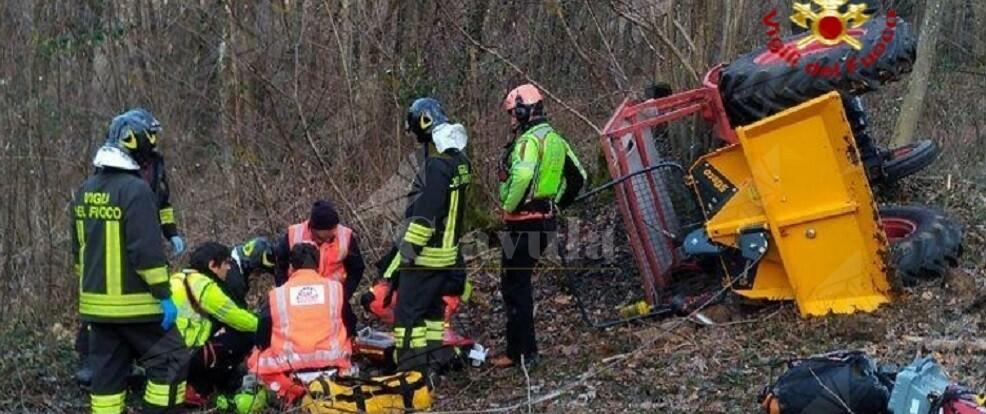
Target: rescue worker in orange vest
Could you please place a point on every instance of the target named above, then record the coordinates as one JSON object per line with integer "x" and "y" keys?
{"x": 341, "y": 259}
{"x": 301, "y": 329}
{"x": 539, "y": 173}
{"x": 429, "y": 249}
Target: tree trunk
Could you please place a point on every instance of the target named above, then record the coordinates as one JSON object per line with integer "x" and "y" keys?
{"x": 979, "y": 18}
{"x": 910, "y": 112}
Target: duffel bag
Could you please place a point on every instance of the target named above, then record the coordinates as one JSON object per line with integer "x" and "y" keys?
{"x": 392, "y": 394}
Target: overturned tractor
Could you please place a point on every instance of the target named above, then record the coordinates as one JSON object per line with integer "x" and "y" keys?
{"x": 785, "y": 200}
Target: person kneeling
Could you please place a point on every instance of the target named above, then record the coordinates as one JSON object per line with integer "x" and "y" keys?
{"x": 209, "y": 320}
{"x": 301, "y": 330}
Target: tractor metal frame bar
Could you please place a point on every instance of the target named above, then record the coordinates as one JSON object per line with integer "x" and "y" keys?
{"x": 705, "y": 102}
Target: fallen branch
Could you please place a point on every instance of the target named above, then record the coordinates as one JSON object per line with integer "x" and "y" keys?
{"x": 948, "y": 345}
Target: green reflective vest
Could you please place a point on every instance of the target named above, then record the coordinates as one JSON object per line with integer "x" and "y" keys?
{"x": 536, "y": 167}
{"x": 200, "y": 300}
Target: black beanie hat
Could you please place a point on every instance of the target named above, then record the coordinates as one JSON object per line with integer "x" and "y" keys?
{"x": 324, "y": 216}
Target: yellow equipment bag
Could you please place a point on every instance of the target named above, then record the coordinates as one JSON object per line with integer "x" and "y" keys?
{"x": 394, "y": 394}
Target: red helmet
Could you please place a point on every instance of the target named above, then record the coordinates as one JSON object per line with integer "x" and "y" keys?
{"x": 523, "y": 101}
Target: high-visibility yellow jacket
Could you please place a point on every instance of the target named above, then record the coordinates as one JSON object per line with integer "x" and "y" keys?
{"x": 200, "y": 301}
{"x": 540, "y": 168}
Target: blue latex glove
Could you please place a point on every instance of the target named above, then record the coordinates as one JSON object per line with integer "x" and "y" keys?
{"x": 170, "y": 313}
{"x": 177, "y": 244}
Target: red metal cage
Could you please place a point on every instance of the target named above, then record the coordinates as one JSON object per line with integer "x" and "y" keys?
{"x": 644, "y": 200}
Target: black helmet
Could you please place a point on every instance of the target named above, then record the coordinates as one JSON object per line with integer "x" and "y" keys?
{"x": 153, "y": 124}
{"x": 423, "y": 116}
{"x": 256, "y": 254}
{"x": 131, "y": 140}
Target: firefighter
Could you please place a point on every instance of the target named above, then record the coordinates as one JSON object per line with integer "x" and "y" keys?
{"x": 381, "y": 299}
{"x": 301, "y": 328}
{"x": 122, "y": 268}
{"x": 255, "y": 256}
{"x": 341, "y": 259}
{"x": 538, "y": 174}
{"x": 428, "y": 253}
{"x": 153, "y": 171}
{"x": 210, "y": 321}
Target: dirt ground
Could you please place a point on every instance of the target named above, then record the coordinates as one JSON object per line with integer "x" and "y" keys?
{"x": 669, "y": 365}
{"x": 674, "y": 366}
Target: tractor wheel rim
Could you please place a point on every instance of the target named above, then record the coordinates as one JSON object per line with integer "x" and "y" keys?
{"x": 902, "y": 151}
{"x": 897, "y": 228}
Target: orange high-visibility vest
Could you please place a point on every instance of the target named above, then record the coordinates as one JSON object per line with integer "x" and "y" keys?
{"x": 331, "y": 254}
{"x": 307, "y": 331}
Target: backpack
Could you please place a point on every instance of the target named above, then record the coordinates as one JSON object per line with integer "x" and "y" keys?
{"x": 829, "y": 384}
{"x": 559, "y": 175}
{"x": 923, "y": 388}
{"x": 574, "y": 180}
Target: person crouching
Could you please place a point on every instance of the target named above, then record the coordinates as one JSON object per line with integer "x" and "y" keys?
{"x": 217, "y": 329}
{"x": 301, "y": 329}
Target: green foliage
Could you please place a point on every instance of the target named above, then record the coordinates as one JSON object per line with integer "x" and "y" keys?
{"x": 414, "y": 80}
{"x": 479, "y": 208}
{"x": 70, "y": 43}
{"x": 599, "y": 177}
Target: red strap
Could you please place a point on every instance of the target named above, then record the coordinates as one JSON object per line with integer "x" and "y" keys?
{"x": 526, "y": 215}
{"x": 191, "y": 298}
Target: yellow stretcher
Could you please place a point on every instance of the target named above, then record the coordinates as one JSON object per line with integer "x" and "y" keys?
{"x": 797, "y": 175}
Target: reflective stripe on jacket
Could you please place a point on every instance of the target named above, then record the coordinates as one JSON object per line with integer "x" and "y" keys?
{"x": 307, "y": 331}
{"x": 117, "y": 251}
{"x": 331, "y": 254}
{"x": 436, "y": 215}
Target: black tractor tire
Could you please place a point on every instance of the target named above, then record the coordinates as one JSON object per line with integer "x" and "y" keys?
{"x": 924, "y": 242}
{"x": 752, "y": 91}
{"x": 909, "y": 159}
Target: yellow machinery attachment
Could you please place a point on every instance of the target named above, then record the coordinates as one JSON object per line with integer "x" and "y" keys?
{"x": 798, "y": 176}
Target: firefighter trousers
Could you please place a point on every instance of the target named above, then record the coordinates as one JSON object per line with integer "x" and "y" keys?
{"x": 112, "y": 349}
{"x": 419, "y": 320}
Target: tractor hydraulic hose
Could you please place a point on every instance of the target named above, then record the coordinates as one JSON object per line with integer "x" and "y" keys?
{"x": 615, "y": 181}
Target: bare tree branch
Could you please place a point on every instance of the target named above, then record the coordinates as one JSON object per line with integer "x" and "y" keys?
{"x": 526, "y": 76}
{"x": 636, "y": 20}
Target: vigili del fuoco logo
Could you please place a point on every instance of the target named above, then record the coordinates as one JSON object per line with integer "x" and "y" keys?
{"x": 830, "y": 23}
